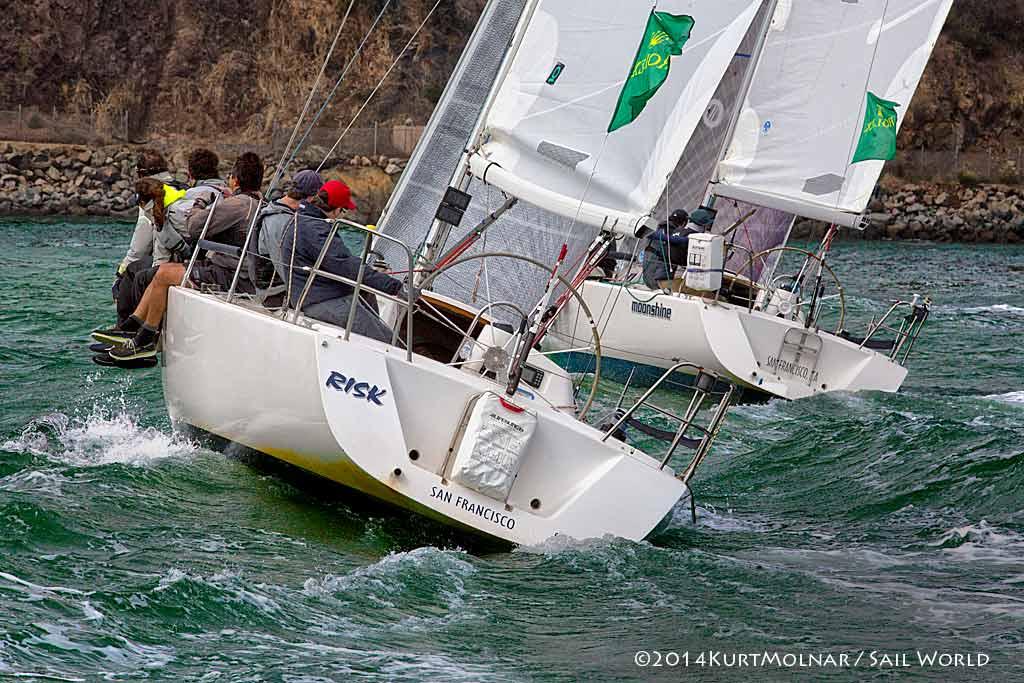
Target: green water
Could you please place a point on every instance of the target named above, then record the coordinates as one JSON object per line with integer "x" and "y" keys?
{"x": 841, "y": 524}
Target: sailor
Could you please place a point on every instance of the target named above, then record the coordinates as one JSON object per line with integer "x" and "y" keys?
{"x": 204, "y": 177}
{"x": 279, "y": 216}
{"x": 329, "y": 300}
{"x": 203, "y": 172}
{"x": 140, "y": 255}
{"x": 229, "y": 224}
{"x": 666, "y": 249}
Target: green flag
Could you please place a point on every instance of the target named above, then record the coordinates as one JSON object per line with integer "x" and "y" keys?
{"x": 878, "y": 139}
{"x": 664, "y": 38}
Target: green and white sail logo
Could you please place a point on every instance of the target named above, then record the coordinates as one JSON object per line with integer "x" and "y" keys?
{"x": 663, "y": 39}
{"x": 878, "y": 138}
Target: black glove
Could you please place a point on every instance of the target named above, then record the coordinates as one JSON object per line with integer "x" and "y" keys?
{"x": 116, "y": 287}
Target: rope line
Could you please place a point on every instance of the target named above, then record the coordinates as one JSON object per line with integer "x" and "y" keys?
{"x": 379, "y": 84}
{"x": 309, "y": 101}
{"x": 344, "y": 72}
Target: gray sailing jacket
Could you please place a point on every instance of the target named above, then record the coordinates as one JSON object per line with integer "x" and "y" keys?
{"x": 229, "y": 223}
{"x": 273, "y": 221}
{"x": 165, "y": 244}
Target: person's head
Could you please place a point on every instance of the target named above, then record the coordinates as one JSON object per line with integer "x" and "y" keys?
{"x": 333, "y": 198}
{"x": 203, "y": 164}
{"x": 150, "y": 163}
{"x": 678, "y": 219}
{"x": 247, "y": 175}
{"x": 305, "y": 185}
{"x": 150, "y": 192}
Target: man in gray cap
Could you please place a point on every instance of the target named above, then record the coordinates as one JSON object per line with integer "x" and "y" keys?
{"x": 666, "y": 247}
{"x": 279, "y": 215}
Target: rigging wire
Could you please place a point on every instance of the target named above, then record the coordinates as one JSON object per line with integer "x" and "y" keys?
{"x": 344, "y": 72}
{"x": 379, "y": 84}
{"x": 309, "y": 100}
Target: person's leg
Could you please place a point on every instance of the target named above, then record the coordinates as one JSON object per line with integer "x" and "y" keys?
{"x": 153, "y": 305}
{"x": 654, "y": 271}
{"x": 151, "y": 311}
{"x": 130, "y": 295}
{"x": 335, "y": 312}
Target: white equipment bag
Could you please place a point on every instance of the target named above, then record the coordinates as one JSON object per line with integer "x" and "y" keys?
{"x": 493, "y": 446}
{"x": 705, "y": 262}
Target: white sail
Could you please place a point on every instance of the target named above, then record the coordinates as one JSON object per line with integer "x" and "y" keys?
{"x": 804, "y": 111}
{"x": 548, "y": 143}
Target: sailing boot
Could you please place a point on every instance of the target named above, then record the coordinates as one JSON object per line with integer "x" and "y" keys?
{"x": 142, "y": 345}
{"x": 119, "y": 334}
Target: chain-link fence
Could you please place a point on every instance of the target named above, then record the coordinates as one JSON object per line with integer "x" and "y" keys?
{"x": 372, "y": 141}
{"x": 33, "y": 125}
{"x": 1002, "y": 162}
{"x": 29, "y": 124}
{"x": 993, "y": 166}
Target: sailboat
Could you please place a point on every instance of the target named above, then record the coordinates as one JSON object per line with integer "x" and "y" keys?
{"x": 516, "y": 185}
{"x": 809, "y": 82}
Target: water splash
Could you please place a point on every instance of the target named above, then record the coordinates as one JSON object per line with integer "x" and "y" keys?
{"x": 101, "y": 438}
{"x": 994, "y": 308}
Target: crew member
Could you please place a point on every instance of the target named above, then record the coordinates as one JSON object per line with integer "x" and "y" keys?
{"x": 229, "y": 224}
{"x": 329, "y": 300}
{"x": 666, "y": 249}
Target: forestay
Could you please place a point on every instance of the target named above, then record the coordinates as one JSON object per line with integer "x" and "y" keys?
{"x": 546, "y": 140}
{"x": 805, "y": 109}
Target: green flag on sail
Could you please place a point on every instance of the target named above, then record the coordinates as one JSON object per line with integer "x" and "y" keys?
{"x": 664, "y": 38}
{"x": 878, "y": 139}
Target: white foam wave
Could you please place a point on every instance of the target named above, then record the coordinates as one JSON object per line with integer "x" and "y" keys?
{"x": 99, "y": 439}
{"x": 1009, "y": 397}
{"x": 557, "y": 545}
{"x": 982, "y": 541}
{"x": 383, "y": 578}
{"x": 727, "y": 521}
{"x": 37, "y": 590}
{"x": 227, "y": 581}
{"x": 46, "y": 482}
{"x": 129, "y": 655}
{"x": 994, "y": 308}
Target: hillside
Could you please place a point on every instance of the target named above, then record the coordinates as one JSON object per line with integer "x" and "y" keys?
{"x": 232, "y": 70}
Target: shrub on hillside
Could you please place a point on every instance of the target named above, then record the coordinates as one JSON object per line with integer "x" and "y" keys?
{"x": 968, "y": 178}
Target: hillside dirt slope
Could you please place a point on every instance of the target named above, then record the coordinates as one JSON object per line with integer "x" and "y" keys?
{"x": 231, "y": 70}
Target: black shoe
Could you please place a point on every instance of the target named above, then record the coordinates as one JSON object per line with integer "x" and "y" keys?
{"x": 113, "y": 335}
{"x": 106, "y": 361}
{"x": 101, "y": 347}
{"x": 131, "y": 350}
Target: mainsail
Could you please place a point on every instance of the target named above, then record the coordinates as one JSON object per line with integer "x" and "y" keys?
{"x": 531, "y": 102}
{"x": 804, "y": 113}
{"x": 546, "y": 137}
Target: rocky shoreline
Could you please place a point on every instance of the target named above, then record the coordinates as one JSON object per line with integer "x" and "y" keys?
{"x": 78, "y": 181}
{"x": 47, "y": 180}
{"x": 950, "y": 213}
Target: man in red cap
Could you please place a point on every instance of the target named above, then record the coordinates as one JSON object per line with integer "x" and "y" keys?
{"x": 329, "y": 300}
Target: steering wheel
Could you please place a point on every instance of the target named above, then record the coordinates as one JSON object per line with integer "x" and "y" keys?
{"x": 795, "y": 284}
{"x": 594, "y": 334}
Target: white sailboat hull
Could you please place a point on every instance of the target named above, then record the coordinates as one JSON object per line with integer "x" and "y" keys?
{"x": 262, "y": 382}
{"x": 642, "y": 328}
